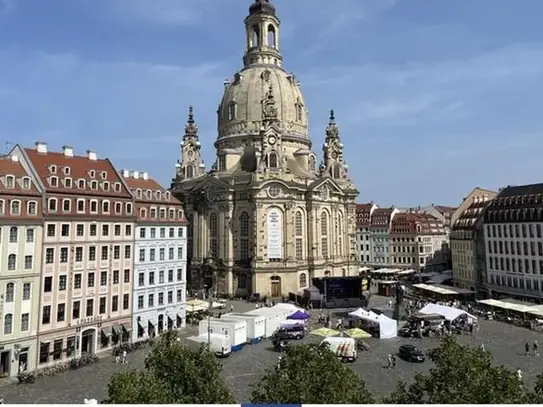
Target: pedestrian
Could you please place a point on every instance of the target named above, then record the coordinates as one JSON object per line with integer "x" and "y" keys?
{"x": 535, "y": 347}
{"x": 389, "y": 361}
{"x": 526, "y": 349}
{"x": 231, "y": 307}
{"x": 393, "y": 361}
{"x": 124, "y": 357}
{"x": 519, "y": 374}
{"x": 482, "y": 346}
{"x": 339, "y": 323}
{"x": 256, "y": 305}
{"x": 117, "y": 358}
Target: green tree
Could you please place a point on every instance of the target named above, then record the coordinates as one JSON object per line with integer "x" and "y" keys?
{"x": 174, "y": 374}
{"x": 462, "y": 375}
{"x": 311, "y": 374}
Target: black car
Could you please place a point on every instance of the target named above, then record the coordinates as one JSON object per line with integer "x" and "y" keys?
{"x": 291, "y": 332}
{"x": 411, "y": 353}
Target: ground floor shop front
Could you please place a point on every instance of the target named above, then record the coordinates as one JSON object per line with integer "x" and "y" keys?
{"x": 89, "y": 336}
{"x": 150, "y": 323}
{"x": 17, "y": 356}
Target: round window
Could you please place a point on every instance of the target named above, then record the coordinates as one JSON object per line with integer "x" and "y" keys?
{"x": 274, "y": 190}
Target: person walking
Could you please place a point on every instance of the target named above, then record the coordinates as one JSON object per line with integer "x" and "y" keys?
{"x": 393, "y": 361}
{"x": 535, "y": 348}
{"x": 389, "y": 361}
{"x": 231, "y": 307}
{"x": 519, "y": 374}
{"x": 124, "y": 361}
{"x": 526, "y": 349}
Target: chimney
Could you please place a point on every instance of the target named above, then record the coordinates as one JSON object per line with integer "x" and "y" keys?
{"x": 126, "y": 173}
{"x": 92, "y": 155}
{"x": 15, "y": 158}
{"x": 41, "y": 147}
{"x": 136, "y": 175}
{"x": 145, "y": 176}
{"x": 68, "y": 151}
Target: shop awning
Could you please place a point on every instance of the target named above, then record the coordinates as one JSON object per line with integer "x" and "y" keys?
{"x": 106, "y": 331}
{"x": 118, "y": 329}
{"x": 435, "y": 289}
{"x": 153, "y": 321}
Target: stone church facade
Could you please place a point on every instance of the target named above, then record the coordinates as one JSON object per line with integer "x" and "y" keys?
{"x": 265, "y": 218}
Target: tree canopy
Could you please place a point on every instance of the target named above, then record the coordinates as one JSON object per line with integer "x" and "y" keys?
{"x": 462, "y": 375}
{"x": 311, "y": 374}
{"x": 174, "y": 374}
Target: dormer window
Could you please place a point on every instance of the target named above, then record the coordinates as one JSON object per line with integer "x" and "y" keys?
{"x": 118, "y": 208}
{"x": 117, "y": 187}
{"x": 81, "y": 184}
{"x": 162, "y": 213}
{"x": 10, "y": 181}
{"x": 180, "y": 214}
{"x": 138, "y": 193}
{"x": 26, "y": 183}
{"x": 53, "y": 169}
{"x": 67, "y": 171}
{"x": 105, "y": 206}
{"x": 148, "y": 194}
{"x": 92, "y": 173}
{"x": 103, "y": 174}
{"x": 171, "y": 213}
{"x": 129, "y": 209}
{"x": 53, "y": 181}
{"x": 143, "y": 213}
{"x": 167, "y": 195}
{"x": 68, "y": 182}
{"x": 94, "y": 185}
{"x": 152, "y": 213}
{"x": 106, "y": 186}
{"x": 158, "y": 195}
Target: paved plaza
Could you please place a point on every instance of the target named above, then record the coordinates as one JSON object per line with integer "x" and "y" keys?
{"x": 244, "y": 368}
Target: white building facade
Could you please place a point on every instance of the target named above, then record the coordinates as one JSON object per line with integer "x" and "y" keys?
{"x": 159, "y": 298}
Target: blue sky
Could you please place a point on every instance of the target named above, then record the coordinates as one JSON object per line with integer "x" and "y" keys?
{"x": 432, "y": 97}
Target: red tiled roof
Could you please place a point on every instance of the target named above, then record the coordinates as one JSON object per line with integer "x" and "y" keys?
{"x": 81, "y": 167}
{"x": 10, "y": 167}
{"x": 152, "y": 185}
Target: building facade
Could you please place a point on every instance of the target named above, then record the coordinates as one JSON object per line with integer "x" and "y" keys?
{"x": 513, "y": 224}
{"x": 266, "y": 218}
{"x": 159, "y": 297}
{"x": 363, "y": 241}
{"x": 87, "y": 263}
{"x": 379, "y": 229}
{"x": 418, "y": 241}
{"x": 21, "y": 225}
{"x": 468, "y": 252}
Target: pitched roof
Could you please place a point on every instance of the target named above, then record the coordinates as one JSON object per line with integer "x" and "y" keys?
{"x": 445, "y": 209}
{"x": 148, "y": 187}
{"x": 63, "y": 166}
{"x": 12, "y": 166}
{"x": 510, "y": 191}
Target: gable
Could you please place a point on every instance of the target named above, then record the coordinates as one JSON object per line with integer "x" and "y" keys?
{"x": 326, "y": 183}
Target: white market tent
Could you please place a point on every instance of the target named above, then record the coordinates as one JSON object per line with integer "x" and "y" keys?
{"x": 406, "y": 272}
{"x": 449, "y": 313}
{"x": 388, "y": 327}
{"x": 291, "y": 308}
{"x": 434, "y": 289}
{"x": 534, "y": 309}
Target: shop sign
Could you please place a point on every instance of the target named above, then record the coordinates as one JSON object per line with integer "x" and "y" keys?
{"x": 89, "y": 320}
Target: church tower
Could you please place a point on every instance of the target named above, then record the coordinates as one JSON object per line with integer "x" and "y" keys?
{"x": 265, "y": 219}
{"x": 191, "y": 164}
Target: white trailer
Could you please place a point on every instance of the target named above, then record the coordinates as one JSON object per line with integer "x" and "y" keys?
{"x": 256, "y": 325}
{"x": 235, "y": 329}
{"x": 343, "y": 348}
{"x": 218, "y": 343}
{"x": 274, "y": 317}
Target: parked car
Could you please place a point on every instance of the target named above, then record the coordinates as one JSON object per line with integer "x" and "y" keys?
{"x": 411, "y": 353}
{"x": 290, "y": 332}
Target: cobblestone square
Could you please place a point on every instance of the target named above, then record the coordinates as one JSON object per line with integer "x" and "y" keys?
{"x": 245, "y": 367}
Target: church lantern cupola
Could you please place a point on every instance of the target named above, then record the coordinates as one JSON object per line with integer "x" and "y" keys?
{"x": 191, "y": 164}
{"x": 262, "y": 32}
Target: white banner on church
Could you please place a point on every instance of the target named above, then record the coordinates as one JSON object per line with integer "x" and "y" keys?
{"x": 275, "y": 234}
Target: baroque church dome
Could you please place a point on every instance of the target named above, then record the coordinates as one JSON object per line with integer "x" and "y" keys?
{"x": 240, "y": 111}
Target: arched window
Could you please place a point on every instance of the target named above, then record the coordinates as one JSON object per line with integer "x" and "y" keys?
{"x": 303, "y": 280}
{"x": 255, "y": 36}
{"x": 244, "y": 229}
{"x": 32, "y": 208}
{"x": 232, "y": 111}
{"x": 12, "y": 262}
{"x": 8, "y": 324}
{"x": 189, "y": 171}
{"x": 10, "y": 292}
{"x": 214, "y": 235}
{"x": 299, "y": 111}
{"x": 271, "y": 36}
{"x": 13, "y": 234}
{"x": 324, "y": 235}
{"x": 336, "y": 172}
{"x": 15, "y": 207}
{"x": 272, "y": 160}
{"x": 312, "y": 164}
{"x": 299, "y": 233}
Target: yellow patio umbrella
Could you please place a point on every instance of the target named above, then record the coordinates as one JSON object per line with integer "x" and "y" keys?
{"x": 326, "y": 332}
{"x": 357, "y": 333}
{"x": 197, "y": 305}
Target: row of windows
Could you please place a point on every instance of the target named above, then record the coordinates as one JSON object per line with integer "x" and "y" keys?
{"x": 90, "y": 309}
{"x": 158, "y": 195}
{"x": 515, "y": 231}
{"x": 90, "y": 280}
{"x": 93, "y": 230}
{"x": 9, "y": 182}
{"x": 14, "y": 235}
{"x": 516, "y": 265}
{"x": 8, "y": 323}
{"x": 514, "y": 282}
{"x": 65, "y": 205}
{"x": 516, "y": 248}
{"x": 12, "y": 262}
{"x": 161, "y": 277}
{"x": 10, "y": 292}
{"x": 15, "y": 206}
{"x": 161, "y": 254}
{"x": 162, "y": 233}
{"x": 91, "y": 253}
{"x": 160, "y": 213}
{"x": 67, "y": 182}
{"x": 160, "y": 299}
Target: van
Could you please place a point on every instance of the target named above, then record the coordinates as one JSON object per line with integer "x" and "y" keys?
{"x": 219, "y": 344}
{"x": 343, "y": 348}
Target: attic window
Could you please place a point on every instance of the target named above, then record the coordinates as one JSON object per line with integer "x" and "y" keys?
{"x": 10, "y": 181}
{"x": 26, "y": 183}
{"x": 68, "y": 182}
{"x": 158, "y": 195}
{"x": 167, "y": 195}
{"x": 92, "y": 173}
{"x": 67, "y": 171}
{"x": 106, "y": 186}
{"x": 117, "y": 187}
{"x": 103, "y": 174}
{"x": 81, "y": 184}
{"x": 138, "y": 194}
{"x": 53, "y": 181}
{"x": 94, "y": 185}
{"x": 148, "y": 194}
{"x": 53, "y": 169}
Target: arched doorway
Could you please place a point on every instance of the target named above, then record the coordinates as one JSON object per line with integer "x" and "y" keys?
{"x": 88, "y": 341}
{"x": 275, "y": 286}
